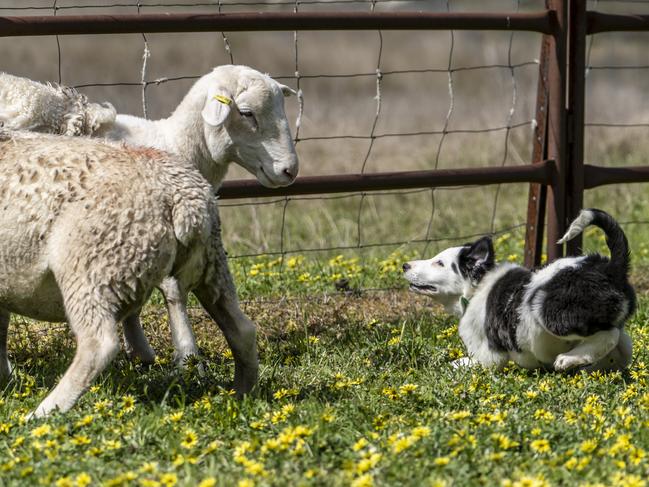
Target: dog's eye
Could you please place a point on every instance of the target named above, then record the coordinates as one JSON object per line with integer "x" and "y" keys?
{"x": 440, "y": 263}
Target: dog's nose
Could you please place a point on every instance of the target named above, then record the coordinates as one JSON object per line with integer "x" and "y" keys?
{"x": 406, "y": 266}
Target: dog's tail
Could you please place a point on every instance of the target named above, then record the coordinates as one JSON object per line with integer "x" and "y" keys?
{"x": 615, "y": 238}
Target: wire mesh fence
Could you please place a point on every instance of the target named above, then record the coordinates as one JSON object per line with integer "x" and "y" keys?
{"x": 370, "y": 102}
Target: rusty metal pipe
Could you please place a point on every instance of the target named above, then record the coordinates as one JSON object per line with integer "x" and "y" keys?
{"x": 595, "y": 176}
{"x": 248, "y": 188}
{"x": 543, "y": 22}
{"x": 598, "y": 22}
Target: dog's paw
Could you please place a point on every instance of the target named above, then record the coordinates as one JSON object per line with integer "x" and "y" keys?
{"x": 566, "y": 361}
{"x": 462, "y": 362}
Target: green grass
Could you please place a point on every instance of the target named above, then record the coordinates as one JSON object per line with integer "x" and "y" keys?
{"x": 354, "y": 390}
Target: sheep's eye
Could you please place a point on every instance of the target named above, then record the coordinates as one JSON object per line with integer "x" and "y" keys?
{"x": 440, "y": 263}
{"x": 247, "y": 114}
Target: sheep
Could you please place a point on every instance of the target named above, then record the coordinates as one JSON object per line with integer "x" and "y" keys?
{"x": 38, "y": 107}
{"x": 89, "y": 228}
{"x": 233, "y": 114}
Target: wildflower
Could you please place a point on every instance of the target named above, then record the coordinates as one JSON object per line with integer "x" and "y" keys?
{"x": 85, "y": 421}
{"x": 79, "y": 440}
{"x": 360, "y": 444}
{"x": 41, "y": 431}
{"x": 64, "y": 482}
{"x": 365, "y": 480}
{"x": 174, "y": 417}
{"x": 441, "y": 461}
{"x": 407, "y": 389}
{"x": 128, "y": 403}
{"x": 102, "y": 406}
{"x": 544, "y": 415}
{"x": 540, "y": 446}
{"x": 588, "y": 446}
{"x": 189, "y": 439}
{"x": 207, "y": 482}
{"x": 149, "y": 467}
{"x": 82, "y": 480}
{"x": 169, "y": 479}
{"x": 112, "y": 444}
{"x": 281, "y": 393}
{"x": 458, "y": 415}
{"x": 420, "y": 431}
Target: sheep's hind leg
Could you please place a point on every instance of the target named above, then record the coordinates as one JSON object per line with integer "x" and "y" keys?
{"x": 137, "y": 345}
{"x": 240, "y": 333}
{"x": 97, "y": 344}
{"x": 591, "y": 350}
{"x": 181, "y": 329}
{"x": 5, "y": 365}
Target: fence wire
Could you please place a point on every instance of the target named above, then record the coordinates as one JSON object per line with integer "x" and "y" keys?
{"x": 450, "y": 216}
{"x": 616, "y": 125}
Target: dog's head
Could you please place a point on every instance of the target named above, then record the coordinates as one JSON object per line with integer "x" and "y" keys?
{"x": 451, "y": 273}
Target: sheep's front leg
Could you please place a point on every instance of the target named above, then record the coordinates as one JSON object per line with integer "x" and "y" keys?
{"x": 181, "y": 329}
{"x": 136, "y": 342}
{"x": 5, "y": 365}
{"x": 97, "y": 344}
{"x": 591, "y": 350}
{"x": 240, "y": 333}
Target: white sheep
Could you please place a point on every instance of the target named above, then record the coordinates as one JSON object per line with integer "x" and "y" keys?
{"x": 233, "y": 114}
{"x": 48, "y": 108}
{"x": 89, "y": 228}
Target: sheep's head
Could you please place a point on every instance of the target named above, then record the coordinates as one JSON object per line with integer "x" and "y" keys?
{"x": 248, "y": 106}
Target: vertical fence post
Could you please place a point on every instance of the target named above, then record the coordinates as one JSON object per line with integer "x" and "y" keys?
{"x": 557, "y": 125}
{"x": 536, "y": 200}
{"x": 576, "y": 104}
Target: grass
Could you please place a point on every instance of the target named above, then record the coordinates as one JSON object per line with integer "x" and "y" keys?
{"x": 356, "y": 388}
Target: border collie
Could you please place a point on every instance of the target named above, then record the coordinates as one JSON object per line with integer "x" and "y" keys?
{"x": 568, "y": 314}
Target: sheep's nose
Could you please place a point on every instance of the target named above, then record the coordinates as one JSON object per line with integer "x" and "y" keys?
{"x": 406, "y": 267}
{"x": 289, "y": 173}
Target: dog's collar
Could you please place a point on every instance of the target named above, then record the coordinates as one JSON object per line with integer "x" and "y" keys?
{"x": 464, "y": 304}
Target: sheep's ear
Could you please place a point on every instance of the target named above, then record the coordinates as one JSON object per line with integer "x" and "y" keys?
{"x": 287, "y": 90}
{"x": 217, "y": 107}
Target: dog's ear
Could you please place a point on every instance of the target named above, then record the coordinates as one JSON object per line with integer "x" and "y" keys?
{"x": 477, "y": 258}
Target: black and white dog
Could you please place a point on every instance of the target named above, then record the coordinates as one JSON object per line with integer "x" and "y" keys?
{"x": 568, "y": 314}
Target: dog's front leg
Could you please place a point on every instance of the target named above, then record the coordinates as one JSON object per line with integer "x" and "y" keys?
{"x": 589, "y": 351}
{"x": 618, "y": 359}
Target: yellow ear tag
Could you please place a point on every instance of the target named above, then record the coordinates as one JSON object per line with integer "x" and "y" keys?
{"x": 223, "y": 99}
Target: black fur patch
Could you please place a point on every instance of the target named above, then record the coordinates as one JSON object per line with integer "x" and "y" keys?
{"x": 586, "y": 299}
{"x": 476, "y": 259}
{"x": 454, "y": 268}
{"x": 503, "y": 302}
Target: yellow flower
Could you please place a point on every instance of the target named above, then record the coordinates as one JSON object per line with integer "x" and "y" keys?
{"x": 207, "y": 482}
{"x": 128, "y": 403}
{"x": 360, "y": 444}
{"x": 420, "y": 431}
{"x": 41, "y": 431}
{"x": 365, "y": 480}
{"x": 64, "y": 482}
{"x": 80, "y": 440}
{"x": 149, "y": 467}
{"x": 82, "y": 480}
{"x": 588, "y": 446}
{"x": 540, "y": 446}
{"x": 189, "y": 439}
{"x": 441, "y": 461}
{"x": 245, "y": 483}
{"x": 169, "y": 479}
{"x": 85, "y": 421}
{"x": 407, "y": 389}
{"x": 174, "y": 417}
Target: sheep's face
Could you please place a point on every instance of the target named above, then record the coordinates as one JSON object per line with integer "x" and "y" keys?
{"x": 257, "y": 130}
